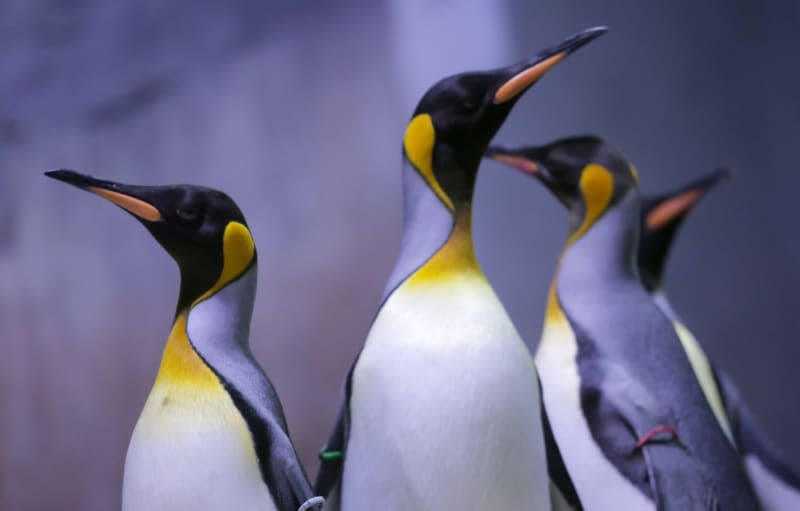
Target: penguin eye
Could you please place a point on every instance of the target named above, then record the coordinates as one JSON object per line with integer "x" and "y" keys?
{"x": 469, "y": 105}
{"x": 188, "y": 213}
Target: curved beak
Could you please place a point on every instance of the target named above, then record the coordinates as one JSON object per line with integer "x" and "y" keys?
{"x": 128, "y": 197}
{"x": 520, "y": 77}
{"x": 524, "y": 160}
{"x": 514, "y": 159}
{"x": 667, "y": 209}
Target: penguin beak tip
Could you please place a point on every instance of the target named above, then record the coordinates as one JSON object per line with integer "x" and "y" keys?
{"x": 522, "y": 78}
{"x": 68, "y": 176}
{"x": 723, "y": 174}
{"x": 584, "y": 38}
{"x": 717, "y": 177}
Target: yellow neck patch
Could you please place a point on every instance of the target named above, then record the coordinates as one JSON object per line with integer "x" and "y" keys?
{"x": 554, "y": 314}
{"x": 180, "y": 363}
{"x": 238, "y": 250}
{"x": 455, "y": 258}
{"x": 418, "y": 144}
{"x": 597, "y": 187}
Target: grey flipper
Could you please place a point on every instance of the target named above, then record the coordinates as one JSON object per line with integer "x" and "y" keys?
{"x": 776, "y": 483}
{"x": 620, "y": 412}
{"x": 218, "y": 328}
{"x": 280, "y": 467}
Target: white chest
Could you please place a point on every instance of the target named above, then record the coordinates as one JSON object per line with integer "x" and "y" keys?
{"x": 445, "y": 408}
{"x": 599, "y": 484}
{"x": 192, "y": 450}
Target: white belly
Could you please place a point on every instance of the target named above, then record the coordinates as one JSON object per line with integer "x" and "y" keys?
{"x": 192, "y": 451}
{"x": 599, "y": 484}
{"x": 445, "y": 408}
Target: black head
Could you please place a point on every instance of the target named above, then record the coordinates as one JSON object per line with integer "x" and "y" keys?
{"x": 457, "y": 118}
{"x": 662, "y": 216}
{"x": 568, "y": 167}
{"x": 202, "y": 229}
{"x": 587, "y": 174}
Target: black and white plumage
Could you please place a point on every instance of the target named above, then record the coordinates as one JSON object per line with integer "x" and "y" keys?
{"x": 441, "y": 408}
{"x": 212, "y": 434}
{"x": 631, "y": 421}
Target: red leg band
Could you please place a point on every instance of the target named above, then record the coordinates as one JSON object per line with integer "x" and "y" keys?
{"x": 650, "y": 435}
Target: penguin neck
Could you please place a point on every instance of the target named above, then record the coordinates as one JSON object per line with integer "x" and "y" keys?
{"x": 197, "y": 277}
{"x": 651, "y": 277}
{"x": 654, "y": 247}
{"x": 599, "y": 255}
{"x": 437, "y": 240}
{"x": 209, "y": 330}
{"x": 223, "y": 317}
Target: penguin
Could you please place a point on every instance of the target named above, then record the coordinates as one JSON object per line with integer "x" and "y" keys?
{"x": 775, "y": 482}
{"x": 660, "y": 219}
{"x": 627, "y": 412}
{"x": 212, "y": 434}
{"x": 441, "y": 407}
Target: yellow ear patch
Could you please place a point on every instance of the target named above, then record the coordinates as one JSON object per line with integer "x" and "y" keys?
{"x": 597, "y": 187}
{"x": 418, "y": 144}
{"x": 238, "y": 250}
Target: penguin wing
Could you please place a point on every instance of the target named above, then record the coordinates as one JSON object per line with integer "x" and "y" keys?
{"x": 775, "y": 481}
{"x": 255, "y": 398}
{"x": 280, "y": 466}
{"x": 333, "y": 452}
{"x": 285, "y": 475}
{"x": 638, "y": 436}
{"x": 619, "y": 411}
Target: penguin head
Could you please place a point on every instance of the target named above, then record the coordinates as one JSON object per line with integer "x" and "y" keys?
{"x": 588, "y": 174}
{"x": 201, "y": 228}
{"x": 457, "y": 118}
{"x": 661, "y": 217}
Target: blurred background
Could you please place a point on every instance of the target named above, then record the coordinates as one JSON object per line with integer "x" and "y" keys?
{"x": 297, "y": 110}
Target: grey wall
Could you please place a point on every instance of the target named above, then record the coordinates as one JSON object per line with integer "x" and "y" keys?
{"x": 297, "y": 111}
